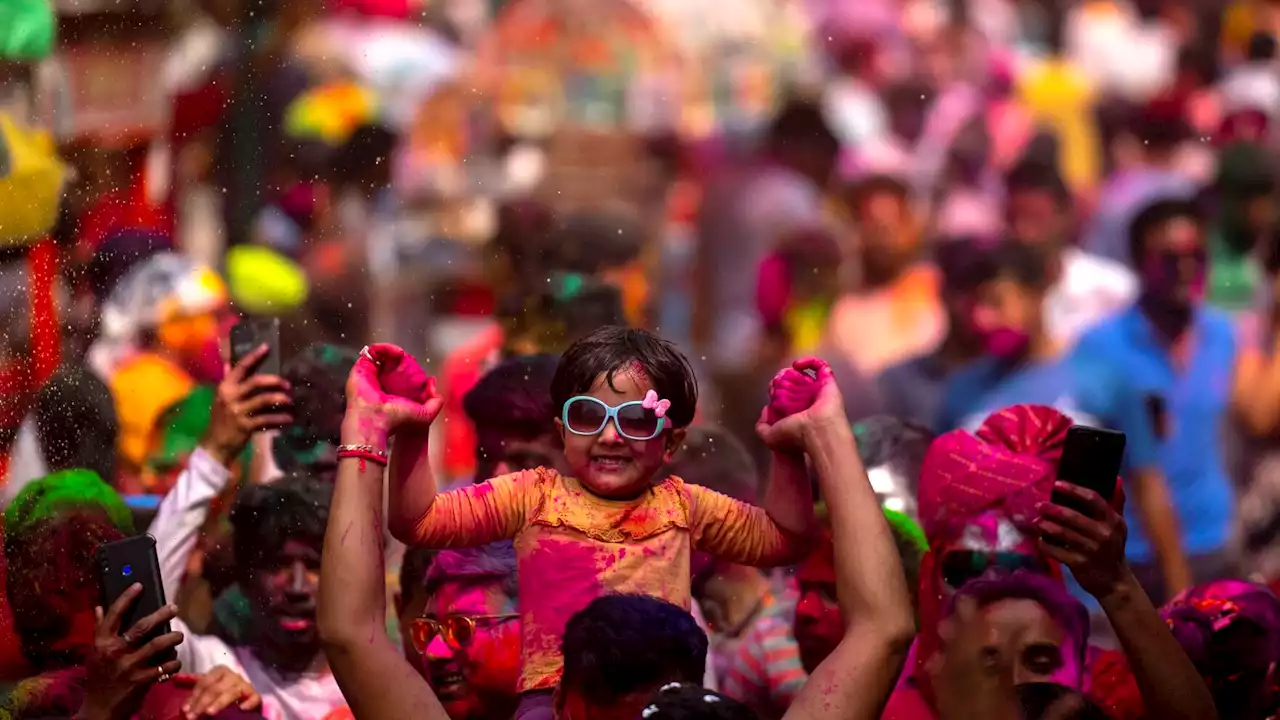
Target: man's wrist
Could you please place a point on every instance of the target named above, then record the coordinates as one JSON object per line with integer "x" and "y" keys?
{"x": 823, "y": 432}
{"x": 364, "y": 430}
{"x": 1119, "y": 593}
{"x": 224, "y": 453}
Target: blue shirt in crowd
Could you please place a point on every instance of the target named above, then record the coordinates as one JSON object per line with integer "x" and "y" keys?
{"x": 1196, "y": 399}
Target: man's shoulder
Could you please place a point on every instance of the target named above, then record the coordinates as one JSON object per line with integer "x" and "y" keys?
{"x": 1085, "y": 269}
{"x": 1105, "y": 334}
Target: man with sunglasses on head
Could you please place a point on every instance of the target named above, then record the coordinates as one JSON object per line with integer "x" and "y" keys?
{"x": 460, "y": 628}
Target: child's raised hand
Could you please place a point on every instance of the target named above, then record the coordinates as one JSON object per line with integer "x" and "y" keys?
{"x": 791, "y": 391}
{"x": 387, "y": 390}
{"x": 798, "y": 403}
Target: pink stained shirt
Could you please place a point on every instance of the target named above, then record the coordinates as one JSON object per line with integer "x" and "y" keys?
{"x": 573, "y": 546}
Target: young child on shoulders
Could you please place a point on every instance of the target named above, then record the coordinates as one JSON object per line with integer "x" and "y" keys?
{"x": 618, "y": 524}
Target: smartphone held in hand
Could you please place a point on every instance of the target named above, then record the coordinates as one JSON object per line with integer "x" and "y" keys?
{"x": 1091, "y": 458}
{"x": 123, "y": 563}
{"x": 249, "y": 335}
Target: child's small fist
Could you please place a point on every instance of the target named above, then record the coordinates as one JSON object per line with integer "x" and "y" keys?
{"x": 399, "y": 373}
{"x": 791, "y": 392}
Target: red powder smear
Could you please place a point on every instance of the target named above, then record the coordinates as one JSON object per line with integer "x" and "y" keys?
{"x": 638, "y": 373}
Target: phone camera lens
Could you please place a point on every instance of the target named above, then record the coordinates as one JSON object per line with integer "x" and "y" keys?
{"x": 127, "y": 570}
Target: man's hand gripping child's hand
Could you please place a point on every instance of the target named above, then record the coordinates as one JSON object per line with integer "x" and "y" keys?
{"x": 388, "y": 390}
{"x": 801, "y": 398}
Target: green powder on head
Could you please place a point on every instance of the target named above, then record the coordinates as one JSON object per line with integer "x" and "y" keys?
{"x": 62, "y": 492}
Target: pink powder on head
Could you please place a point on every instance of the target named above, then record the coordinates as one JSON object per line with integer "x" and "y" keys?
{"x": 638, "y": 373}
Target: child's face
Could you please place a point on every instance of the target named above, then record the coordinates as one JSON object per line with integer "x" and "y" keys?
{"x": 608, "y": 464}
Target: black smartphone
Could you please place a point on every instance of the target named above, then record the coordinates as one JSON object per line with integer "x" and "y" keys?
{"x": 123, "y": 563}
{"x": 1091, "y": 458}
{"x": 1156, "y": 412}
{"x": 249, "y": 335}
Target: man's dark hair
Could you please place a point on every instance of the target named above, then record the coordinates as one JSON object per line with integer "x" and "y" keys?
{"x": 1262, "y": 47}
{"x": 801, "y": 122}
{"x": 514, "y": 398}
{"x": 318, "y": 378}
{"x": 1030, "y": 176}
{"x": 119, "y": 253}
{"x": 76, "y": 423}
{"x": 525, "y": 235}
{"x": 368, "y": 151}
{"x": 597, "y": 241}
{"x": 898, "y": 444}
{"x": 1154, "y": 215}
{"x": 495, "y": 562}
{"x": 689, "y": 701}
{"x": 611, "y": 350}
{"x": 1020, "y": 262}
{"x": 623, "y": 644}
{"x": 713, "y": 458}
{"x": 266, "y": 516}
{"x": 960, "y": 262}
{"x": 560, "y": 312}
{"x": 592, "y": 304}
{"x": 1160, "y": 125}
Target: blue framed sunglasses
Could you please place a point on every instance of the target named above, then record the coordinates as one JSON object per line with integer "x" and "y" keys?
{"x": 585, "y": 415}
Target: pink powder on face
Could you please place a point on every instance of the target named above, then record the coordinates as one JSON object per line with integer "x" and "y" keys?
{"x": 1005, "y": 342}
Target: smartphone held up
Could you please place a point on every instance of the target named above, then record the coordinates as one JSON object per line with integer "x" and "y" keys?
{"x": 1091, "y": 458}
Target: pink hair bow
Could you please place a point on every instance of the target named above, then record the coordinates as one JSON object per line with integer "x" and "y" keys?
{"x": 651, "y": 402}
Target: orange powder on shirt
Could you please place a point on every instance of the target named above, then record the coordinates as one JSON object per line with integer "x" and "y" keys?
{"x": 573, "y": 546}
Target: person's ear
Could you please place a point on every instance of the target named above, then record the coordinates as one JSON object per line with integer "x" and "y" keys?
{"x": 675, "y": 439}
{"x": 560, "y": 430}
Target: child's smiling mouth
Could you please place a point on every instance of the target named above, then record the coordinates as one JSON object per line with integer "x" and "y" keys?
{"x": 610, "y": 463}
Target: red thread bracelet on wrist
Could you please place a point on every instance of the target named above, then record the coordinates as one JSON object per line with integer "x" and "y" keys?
{"x": 363, "y": 453}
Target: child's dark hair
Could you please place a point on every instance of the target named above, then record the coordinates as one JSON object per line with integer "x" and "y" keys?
{"x": 613, "y": 349}
{"x": 265, "y": 517}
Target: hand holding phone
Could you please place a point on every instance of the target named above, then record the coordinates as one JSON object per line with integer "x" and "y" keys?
{"x": 247, "y": 401}
{"x": 120, "y": 668}
{"x": 130, "y": 567}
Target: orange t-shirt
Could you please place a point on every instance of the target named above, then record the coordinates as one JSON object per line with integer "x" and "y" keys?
{"x": 883, "y": 327}
{"x": 573, "y": 546}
